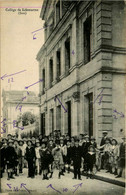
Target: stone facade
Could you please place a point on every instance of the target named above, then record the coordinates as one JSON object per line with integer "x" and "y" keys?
{"x": 83, "y": 55}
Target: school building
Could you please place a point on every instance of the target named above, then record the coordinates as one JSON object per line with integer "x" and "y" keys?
{"x": 83, "y": 66}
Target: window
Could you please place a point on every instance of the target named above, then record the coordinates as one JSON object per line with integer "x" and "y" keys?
{"x": 69, "y": 117}
{"x": 43, "y": 77}
{"x": 51, "y": 120}
{"x": 67, "y": 54}
{"x": 51, "y": 71}
{"x": 87, "y": 40}
{"x": 58, "y": 64}
{"x": 43, "y": 124}
{"x": 88, "y": 109}
{"x": 57, "y": 11}
{"x": 58, "y": 117}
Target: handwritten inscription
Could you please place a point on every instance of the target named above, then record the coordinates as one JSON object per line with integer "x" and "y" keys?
{"x": 65, "y": 189}
{"x": 39, "y": 30}
{"x": 16, "y": 188}
{"x": 99, "y": 97}
{"x": 19, "y": 107}
{"x": 3, "y": 126}
{"x": 10, "y": 80}
{"x": 60, "y": 103}
{"x": 118, "y": 114}
{"x": 4, "y": 76}
{"x": 34, "y": 83}
{"x": 73, "y": 52}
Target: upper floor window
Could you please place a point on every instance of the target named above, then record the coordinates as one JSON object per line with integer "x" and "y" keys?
{"x": 58, "y": 56}
{"x": 51, "y": 71}
{"x": 87, "y": 39}
{"x": 43, "y": 77}
{"x": 58, "y": 11}
{"x": 67, "y": 54}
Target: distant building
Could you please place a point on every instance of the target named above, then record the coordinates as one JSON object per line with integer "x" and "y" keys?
{"x": 83, "y": 62}
{"x": 15, "y": 103}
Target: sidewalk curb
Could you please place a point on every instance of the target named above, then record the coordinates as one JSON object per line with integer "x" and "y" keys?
{"x": 105, "y": 179}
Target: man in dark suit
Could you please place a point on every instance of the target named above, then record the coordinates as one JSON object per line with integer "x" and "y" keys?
{"x": 105, "y": 133}
{"x": 85, "y": 147}
{"x": 76, "y": 157}
{"x": 30, "y": 157}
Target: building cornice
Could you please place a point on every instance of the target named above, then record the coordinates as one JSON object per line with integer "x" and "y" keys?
{"x": 104, "y": 70}
{"x": 56, "y": 30}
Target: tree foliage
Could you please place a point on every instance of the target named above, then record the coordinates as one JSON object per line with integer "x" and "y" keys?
{"x": 27, "y": 118}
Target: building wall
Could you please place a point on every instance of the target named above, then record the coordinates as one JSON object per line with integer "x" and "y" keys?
{"x": 106, "y": 70}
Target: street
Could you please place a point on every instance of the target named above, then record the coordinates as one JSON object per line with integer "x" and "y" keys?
{"x": 65, "y": 185}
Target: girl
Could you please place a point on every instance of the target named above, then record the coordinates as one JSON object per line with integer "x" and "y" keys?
{"x": 90, "y": 159}
{"x": 57, "y": 153}
{"x": 114, "y": 155}
{"x": 45, "y": 159}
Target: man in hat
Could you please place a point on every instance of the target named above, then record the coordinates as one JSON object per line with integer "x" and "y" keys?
{"x": 103, "y": 140}
{"x": 30, "y": 157}
{"x": 105, "y": 133}
{"x": 85, "y": 147}
{"x": 76, "y": 158}
{"x": 11, "y": 157}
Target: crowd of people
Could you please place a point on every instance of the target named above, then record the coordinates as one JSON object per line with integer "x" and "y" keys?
{"x": 42, "y": 155}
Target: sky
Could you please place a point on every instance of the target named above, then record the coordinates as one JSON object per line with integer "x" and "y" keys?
{"x": 18, "y": 48}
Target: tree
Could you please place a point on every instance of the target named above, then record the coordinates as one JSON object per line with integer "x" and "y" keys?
{"x": 27, "y": 118}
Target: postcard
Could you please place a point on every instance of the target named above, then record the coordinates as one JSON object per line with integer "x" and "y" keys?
{"x": 63, "y": 93}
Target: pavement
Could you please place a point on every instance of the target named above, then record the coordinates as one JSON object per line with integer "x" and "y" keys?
{"x": 107, "y": 177}
{"x": 66, "y": 185}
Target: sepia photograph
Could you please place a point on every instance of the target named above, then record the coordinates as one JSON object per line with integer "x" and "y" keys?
{"x": 63, "y": 97}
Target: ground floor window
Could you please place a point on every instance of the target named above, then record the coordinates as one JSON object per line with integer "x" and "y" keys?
{"x": 69, "y": 117}
{"x": 88, "y": 114}
{"x": 43, "y": 124}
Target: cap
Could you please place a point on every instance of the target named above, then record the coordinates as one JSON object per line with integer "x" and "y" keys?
{"x": 9, "y": 134}
{"x": 61, "y": 138}
{"x": 105, "y": 132}
{"x": 37, "y": 141}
